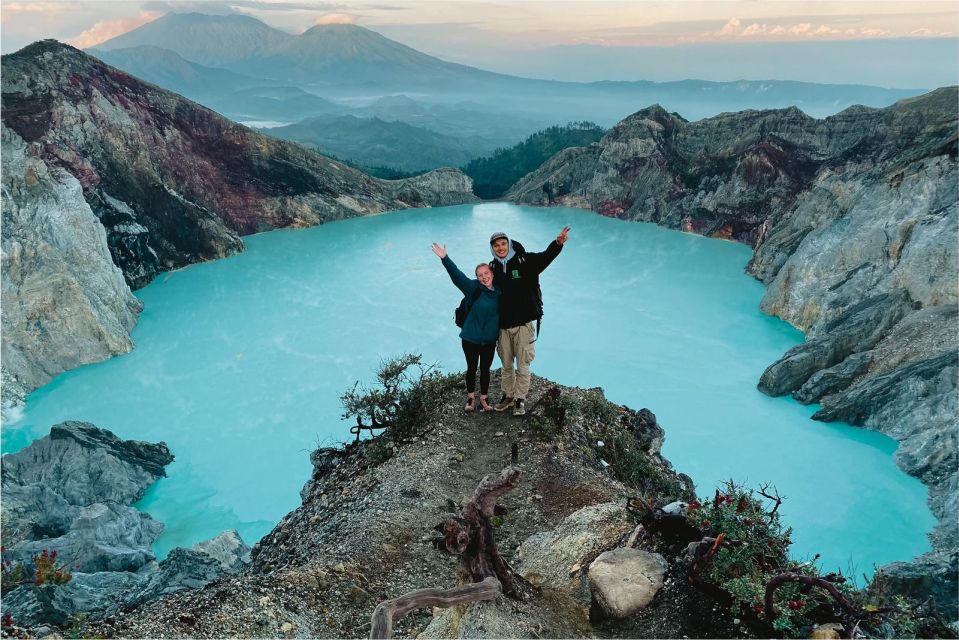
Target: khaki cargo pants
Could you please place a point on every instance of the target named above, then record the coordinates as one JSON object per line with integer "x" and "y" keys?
{"x": 516, "y": 343}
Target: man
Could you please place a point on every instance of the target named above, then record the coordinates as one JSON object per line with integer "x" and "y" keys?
{"x": 516, "y": 274}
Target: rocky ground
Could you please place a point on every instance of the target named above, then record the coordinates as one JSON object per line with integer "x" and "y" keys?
{"x": 363, "y": 534}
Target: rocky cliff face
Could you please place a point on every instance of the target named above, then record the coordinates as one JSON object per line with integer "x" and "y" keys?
{"x": 170, "y": 182}
{"x": 64, "y": 301}
{"x": 69, "y": 494}
{"x": 854, "y": 221}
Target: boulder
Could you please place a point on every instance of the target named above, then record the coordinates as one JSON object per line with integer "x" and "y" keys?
{"x": 103, "y": 537}
{"x": 228, "y": 549}
{"x": 623, "y": 581}
{"x": 558, "y": 559}
{"x": 85, "y": 464}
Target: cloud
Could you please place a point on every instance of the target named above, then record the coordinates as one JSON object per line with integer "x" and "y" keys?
{"x": 106, "y": 29}
{"x": 736, "y": 29}
{"x": 335, "y": 18}
{"x": 231, "y": 6}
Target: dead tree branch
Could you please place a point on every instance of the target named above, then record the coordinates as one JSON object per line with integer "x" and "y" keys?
{"x": 389, "y": 611}
{"x": 775, "y": 497}
{"x": 470, "y": 535}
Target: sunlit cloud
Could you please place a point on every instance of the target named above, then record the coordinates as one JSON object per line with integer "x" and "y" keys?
{"x": 737, "y": 29}
{"x": 335, "y": 18}
{"x": 106, "y": 29}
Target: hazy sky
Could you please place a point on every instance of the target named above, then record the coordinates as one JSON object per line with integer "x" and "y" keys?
{"x": 702, "y": 39}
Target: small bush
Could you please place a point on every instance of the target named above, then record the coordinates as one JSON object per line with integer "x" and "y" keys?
{"x": 754, "y": 550}
{"x": 405, "y": 393}
{"x": 634, "y": 467}
{"x": 591, "y": 407}
{"x": 45, "y": 571}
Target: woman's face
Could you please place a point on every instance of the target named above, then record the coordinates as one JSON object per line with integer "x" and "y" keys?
{"x": 485, "y": 276}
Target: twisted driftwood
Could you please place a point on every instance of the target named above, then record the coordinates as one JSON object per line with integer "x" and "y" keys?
{"x": 397, "y": 608}
{"x": 471, "y": 535}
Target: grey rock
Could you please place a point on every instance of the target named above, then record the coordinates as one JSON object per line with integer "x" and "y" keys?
{"x": 834, "y": 379}
{"x": 646, "y": 430}
{"x": 676, "y": 508}
{"x": 102, "y": 593}
{"x": 558, "y": 559}
{"x": 69, "y": 492}
{"x": 228, "y": 549}
{"x": 83, "y": 465}
{"x": 930, "y": 574}
{"x": 182, "y": 569}
{"x": 92, "y": 593}
{"x": 32, "y": 605}
{"x": 64, "y": 302}
{"x": 858, "y": 329}
{"x": 623, "y": 581}
{"x": 103, "y": 537}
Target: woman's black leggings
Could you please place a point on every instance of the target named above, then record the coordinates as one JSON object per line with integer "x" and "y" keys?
{"x": 482, "y": 354}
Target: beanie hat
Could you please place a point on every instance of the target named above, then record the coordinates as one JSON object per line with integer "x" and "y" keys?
{"x": 497, "y": 236}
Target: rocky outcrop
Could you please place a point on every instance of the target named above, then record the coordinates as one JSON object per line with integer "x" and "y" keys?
{"x": 170, "y": 182}
{"x": 69, "y": 494}
{"x": 625, "y": 580}
{"x": 853, "y": 219}
{"x": 364, "y": 533}
{"x": 559, "y": 559}
{"x": 64, "y": 301}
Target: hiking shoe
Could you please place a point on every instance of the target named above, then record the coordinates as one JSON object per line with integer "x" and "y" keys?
{"x": 519, "y": 407}
{"x": 504, "y": 404}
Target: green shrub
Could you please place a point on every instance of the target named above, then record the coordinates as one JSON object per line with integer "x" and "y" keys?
{"x": 634, "y": 467}
{"x": 398, "y": 406}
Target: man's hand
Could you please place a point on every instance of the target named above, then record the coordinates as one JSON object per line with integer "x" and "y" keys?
{"x": 563, "y": 236}
{"x": 441, "y": 251}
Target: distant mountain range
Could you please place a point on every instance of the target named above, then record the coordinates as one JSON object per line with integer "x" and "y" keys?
{"x": 350, "y": 63}
{"x": 430, "y": 112}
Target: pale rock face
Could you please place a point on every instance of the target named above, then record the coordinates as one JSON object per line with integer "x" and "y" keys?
{"x": 890, "y": 237}
{"x": 558, "y": 559}
{"x": 64, "y": 301}
{"x": 624, "y": 580}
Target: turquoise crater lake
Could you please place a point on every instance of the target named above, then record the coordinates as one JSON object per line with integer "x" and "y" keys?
{"x": 239, "y": 365}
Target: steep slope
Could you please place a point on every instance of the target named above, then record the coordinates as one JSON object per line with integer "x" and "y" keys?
{"x": 172, "y": 182}
{"x": 213, "y": 40}
{"x": 172, "y": 71}
{"x": 64, "y": 301}
{"x": 853, "y": 219}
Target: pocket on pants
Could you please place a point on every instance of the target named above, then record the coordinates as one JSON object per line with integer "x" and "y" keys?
{"x": 529, "y": 348}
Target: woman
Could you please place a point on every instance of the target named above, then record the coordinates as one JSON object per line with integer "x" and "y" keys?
{"x": 480, "y": 328}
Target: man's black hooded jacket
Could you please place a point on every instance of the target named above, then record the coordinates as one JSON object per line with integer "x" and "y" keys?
{"x": 519, "y": 282}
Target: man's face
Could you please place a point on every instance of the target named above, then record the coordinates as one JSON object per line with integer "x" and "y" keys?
{"x": 501, "y": 247}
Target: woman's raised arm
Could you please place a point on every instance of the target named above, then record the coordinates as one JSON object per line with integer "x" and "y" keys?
{"x": 459, "y": 278}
